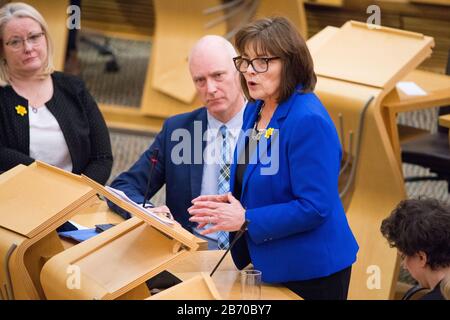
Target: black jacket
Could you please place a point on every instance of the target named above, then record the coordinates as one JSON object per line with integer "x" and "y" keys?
{"x": 81, "y": 123}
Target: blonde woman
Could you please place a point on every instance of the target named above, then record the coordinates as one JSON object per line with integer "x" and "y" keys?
{"x": 45, "y": 115}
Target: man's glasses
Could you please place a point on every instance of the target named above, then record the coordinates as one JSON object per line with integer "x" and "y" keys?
{"x": 18, "y": 43}
{"x": 260, "y": 65}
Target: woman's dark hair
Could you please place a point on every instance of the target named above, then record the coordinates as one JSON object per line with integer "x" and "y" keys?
{"x": 278, "y": 37}
{"x": 420, "y": 225}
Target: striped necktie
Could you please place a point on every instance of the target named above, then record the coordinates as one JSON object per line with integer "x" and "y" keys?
{"x": 224, "y": 180}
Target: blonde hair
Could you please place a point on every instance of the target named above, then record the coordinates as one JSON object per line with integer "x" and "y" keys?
{"x": 22, "y": 10}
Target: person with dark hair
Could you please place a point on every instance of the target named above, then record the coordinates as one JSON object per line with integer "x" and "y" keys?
{"x": 420, "y": 230}
{"x": 284, "y": 179}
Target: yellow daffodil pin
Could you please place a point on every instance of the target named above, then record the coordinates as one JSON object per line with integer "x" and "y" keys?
{"x": 269, "y": 132}
{"x": 21, "y": 110}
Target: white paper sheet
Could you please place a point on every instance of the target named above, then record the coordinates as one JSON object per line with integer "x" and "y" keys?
{"x": 124, "y": 197}
{"x": 410, "y": 88}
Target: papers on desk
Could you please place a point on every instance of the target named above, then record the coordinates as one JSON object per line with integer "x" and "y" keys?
{"x": 120, "y": 194}
{"x": 79, "y": 235}
{"x": 410, "y": 88}
{"x": 78, "y": 226}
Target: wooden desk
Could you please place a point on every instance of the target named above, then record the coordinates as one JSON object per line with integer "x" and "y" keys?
{"x": 99, "y": 213}
{"x": 226, "y": 278}
{"x": 445, "y": 122}
{"x": 436, "y": 85}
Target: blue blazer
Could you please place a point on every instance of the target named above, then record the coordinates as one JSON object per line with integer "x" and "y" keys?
{"x": 183, "y": 180}
{"x": 297, "y": 226}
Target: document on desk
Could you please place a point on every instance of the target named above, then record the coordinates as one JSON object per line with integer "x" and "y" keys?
{"x": 120, "y": 194}
{"x": 410, "y": 88}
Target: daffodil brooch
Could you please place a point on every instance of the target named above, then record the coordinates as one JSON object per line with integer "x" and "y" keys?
{"x": 21, "y": 110}
{"x": 269, "y": 133}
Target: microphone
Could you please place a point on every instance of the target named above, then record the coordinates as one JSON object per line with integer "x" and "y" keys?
{"x": 236, "y": 238}
{"x": 154, "y": 161}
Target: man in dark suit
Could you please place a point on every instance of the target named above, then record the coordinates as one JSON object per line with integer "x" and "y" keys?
{"x": 190, "y": 143}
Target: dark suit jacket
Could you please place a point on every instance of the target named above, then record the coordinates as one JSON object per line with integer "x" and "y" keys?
{"x": 183, "y": 180}
{"x": 81, "y": 123}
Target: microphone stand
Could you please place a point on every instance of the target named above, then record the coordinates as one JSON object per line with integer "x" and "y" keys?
{"x": 154, "y": 161}
{"x": 236, "y": 238}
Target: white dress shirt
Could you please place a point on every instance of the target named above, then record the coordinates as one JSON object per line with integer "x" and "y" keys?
{"x": 212, "y": 156}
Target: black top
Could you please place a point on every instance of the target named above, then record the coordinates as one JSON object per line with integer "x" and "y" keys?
{"x": 81, "y": 123}
{"x": 434, "y": 294}
{"x": 240, "y": 171}
{"x": 251, "y": 145}
{"x": 243, "y": 161}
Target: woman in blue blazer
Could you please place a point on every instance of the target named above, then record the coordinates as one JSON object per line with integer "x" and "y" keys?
{"x": 284, "y": 180}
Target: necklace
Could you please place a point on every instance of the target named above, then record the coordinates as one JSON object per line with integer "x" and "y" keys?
{"x": 36, "y": 96}
{"x": 257, "y": 133}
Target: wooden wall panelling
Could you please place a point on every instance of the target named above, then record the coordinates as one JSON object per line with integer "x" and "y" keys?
{"x": 440, "y": 31}
{"x": 120, "y": 17}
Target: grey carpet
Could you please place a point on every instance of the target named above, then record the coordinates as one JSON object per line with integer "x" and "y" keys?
{"x": 119, "y": 88}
